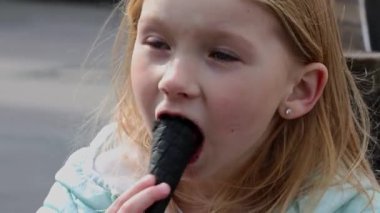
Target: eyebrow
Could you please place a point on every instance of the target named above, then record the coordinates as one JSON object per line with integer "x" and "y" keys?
{"x": 152, "y": 21}
{"x": 223, "y": 34}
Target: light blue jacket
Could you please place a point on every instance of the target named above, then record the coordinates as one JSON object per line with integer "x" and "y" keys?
{"x": 78, "y": 188}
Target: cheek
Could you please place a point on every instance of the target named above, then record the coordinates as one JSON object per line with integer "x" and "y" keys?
{"x": 138, "y": 68}
{"x": 144, "y": 85}
{"x": 245, "y": 115}
{"x": 241, "y": 101}
{"x": 244, "y": 112}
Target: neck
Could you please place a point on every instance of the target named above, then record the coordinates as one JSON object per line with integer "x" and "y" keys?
{"x": 195, "y": 196}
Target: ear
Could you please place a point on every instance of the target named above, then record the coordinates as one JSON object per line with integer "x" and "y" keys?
{"x": 305, "y": 92}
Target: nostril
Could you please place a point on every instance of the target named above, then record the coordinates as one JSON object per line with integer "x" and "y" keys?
{"x": 182, "y": 95}
{"x": 176, "y": 86}
{"x": 174, "y": 94}
{"x": 165, "y": 91}
{"x": 173, "y": 90}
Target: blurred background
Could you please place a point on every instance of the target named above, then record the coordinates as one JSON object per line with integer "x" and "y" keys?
{"x": 55, "y": 73}
{"x": 48, "y": 90}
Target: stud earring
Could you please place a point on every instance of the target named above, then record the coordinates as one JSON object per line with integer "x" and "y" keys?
{"x": 288, "y": 111}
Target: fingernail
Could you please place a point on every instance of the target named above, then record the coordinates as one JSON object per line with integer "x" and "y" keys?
{"x": 164, "y": 187}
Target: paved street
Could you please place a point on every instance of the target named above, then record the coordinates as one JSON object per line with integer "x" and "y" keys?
{"x": 46, "y": 95}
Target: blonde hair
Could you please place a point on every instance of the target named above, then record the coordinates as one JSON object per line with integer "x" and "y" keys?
{"x": 303, "y": 156}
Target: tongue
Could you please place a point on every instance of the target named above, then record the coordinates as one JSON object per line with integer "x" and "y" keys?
{"x": 176, "y": 142}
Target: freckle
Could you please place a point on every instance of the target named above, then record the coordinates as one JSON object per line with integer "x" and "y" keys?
{"x": 232, "y": 130}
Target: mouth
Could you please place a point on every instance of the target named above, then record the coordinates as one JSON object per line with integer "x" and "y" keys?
{"x": 197, "y": 154}
{"x": 163, "y": 116}
{"x": 167, "y": 114}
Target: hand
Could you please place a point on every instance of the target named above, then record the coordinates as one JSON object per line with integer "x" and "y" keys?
{"x": 140, "y": 196}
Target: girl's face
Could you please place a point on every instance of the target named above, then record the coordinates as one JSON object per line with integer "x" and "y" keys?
{"x": 220, "y": 63}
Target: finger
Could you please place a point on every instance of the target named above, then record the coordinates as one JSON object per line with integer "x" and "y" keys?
{"x": 146, "y": 181}
{"x": 144, "y": 199}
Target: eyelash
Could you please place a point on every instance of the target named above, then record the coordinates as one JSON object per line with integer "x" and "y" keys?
{"x": 157, "y": 44}
{"x": 219, "y": 55}
{"x": 223, "y": 56}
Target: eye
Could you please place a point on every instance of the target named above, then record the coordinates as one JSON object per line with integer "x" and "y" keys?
{"x": 157, "y": 43}
{"x": 223, "y": 55}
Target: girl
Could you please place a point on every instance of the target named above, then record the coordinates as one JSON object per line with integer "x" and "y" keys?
{"x": 285, "y": 127}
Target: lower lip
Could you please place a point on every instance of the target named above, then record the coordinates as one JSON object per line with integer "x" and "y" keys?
{"x": 196, "y": 155}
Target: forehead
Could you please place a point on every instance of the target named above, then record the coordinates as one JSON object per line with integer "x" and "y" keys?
{"x": 210, "y": 13}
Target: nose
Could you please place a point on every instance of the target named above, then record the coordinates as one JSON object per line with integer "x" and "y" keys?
{"x": 179, "y": 80}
